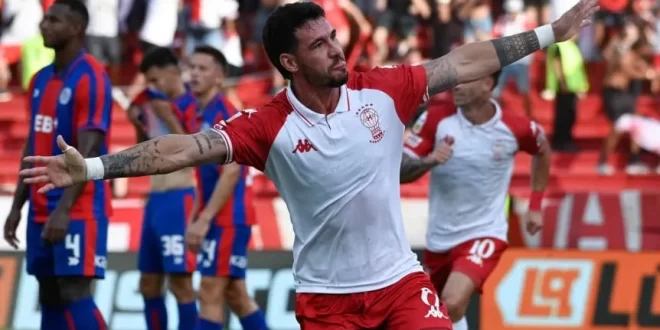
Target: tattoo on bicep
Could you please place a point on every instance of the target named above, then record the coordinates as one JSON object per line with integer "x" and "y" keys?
{"x": 512, "y": 48}
{"x": 215, "y": 144}
{"x": 441, "y": 75}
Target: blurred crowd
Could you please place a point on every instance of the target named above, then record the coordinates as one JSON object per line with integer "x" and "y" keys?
{"x": 624, "y": 37}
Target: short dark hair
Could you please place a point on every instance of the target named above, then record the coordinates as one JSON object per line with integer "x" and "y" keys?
{"x": 158, "y": 57}
{"x": 78, "y": 8}
{"x": 216, "y": 54}
{"x": 279, "y": 32}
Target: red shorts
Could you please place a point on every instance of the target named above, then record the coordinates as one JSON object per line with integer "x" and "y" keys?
{"x": 475, "y": 258}
{"x": 411, "y": 303}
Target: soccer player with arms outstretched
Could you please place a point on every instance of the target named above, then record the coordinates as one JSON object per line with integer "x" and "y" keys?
{"x": 222, "y": 228}
{"x": 353, "y": 266}
{"x": 67, "y": 227}
{"x": 469, "y": 147}
{"x": 166, "y": 107}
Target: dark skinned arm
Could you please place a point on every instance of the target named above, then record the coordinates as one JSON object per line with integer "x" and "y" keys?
{"x": 22, "y": 192}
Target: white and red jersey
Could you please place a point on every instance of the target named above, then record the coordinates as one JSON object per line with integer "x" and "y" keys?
{"x": 467, "y": 193}
{"x": 339, "y": 176}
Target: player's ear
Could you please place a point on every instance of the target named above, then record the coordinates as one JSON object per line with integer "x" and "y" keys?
{"x": 289, "y": 62}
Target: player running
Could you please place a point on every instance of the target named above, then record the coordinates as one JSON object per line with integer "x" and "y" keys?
{"x": 475, "y": 146}
{"x": 222, "y": 228}
{"x": 331, "y": 143}
{"x": 167, "y": 108}
{"x": 67, "y": 227}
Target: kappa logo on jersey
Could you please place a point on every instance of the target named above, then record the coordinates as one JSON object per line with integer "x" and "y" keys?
{"x": 481, "y": 249}
{"x": 545, "y": 292}
{"x": 303, "y": 146}
{"x": 223, "y": 123}
{"x": 370, "y": 119}
{"x": 434, "y": 307}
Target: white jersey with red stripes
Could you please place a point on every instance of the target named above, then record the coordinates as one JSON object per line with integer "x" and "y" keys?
{"x": 468, "y": 193}
{"x": 339, "y": 176}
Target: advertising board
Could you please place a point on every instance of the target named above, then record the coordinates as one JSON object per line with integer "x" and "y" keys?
{"x": 269, "y": 281}
{"x": 535, "y": 289}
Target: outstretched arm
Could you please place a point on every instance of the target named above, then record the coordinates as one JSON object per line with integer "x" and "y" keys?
{"x": 165, "y": 154}
{"x": 476, "y": 60}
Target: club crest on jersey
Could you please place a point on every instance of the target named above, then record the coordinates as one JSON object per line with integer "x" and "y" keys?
{"x": 65, "y": 95}
{"x": 499, "y": 149}
{"x": 370, "y": 119}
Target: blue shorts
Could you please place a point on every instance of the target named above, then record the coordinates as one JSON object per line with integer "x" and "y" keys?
{"x": 224, "y": 253}
{"x": 83, "y": 252}
{"x": 162, "y": 245}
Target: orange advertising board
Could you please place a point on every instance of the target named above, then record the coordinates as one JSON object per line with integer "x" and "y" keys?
{"x": 536, "y": 289}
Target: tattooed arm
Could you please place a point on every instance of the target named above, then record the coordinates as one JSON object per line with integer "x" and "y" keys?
{"x": 476, "y": 60}
{"x": 166, "y": 154}
{"x": 414, "y": 168}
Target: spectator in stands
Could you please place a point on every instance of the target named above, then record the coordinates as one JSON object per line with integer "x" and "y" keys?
{"x": 20, "y": 23}
{"x": 103, "y": 35}
{"x": 157, "y": 30}
{"x": 213, "y": 23}
{"x": 401, "y": 16}
{"x": 567, "y": 78}
{"x": 443, "y": 28}
{"x": 515, "y": 21}
{"x": 476, "y": 17}
{"x": 624, "y": 60}
{"x": 338, "y": 13}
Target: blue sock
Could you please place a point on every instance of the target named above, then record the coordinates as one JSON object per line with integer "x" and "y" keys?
{"x": 187, "y": 316}
{"x": 52, "y": 318}
{"x": 203, "y": 324}
{"x": 83, "y": 314}
{"x": 254, "y": 321}
{"x": 155, "y": 313}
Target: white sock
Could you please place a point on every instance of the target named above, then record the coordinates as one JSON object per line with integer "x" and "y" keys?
{"x": 461, "y": 324}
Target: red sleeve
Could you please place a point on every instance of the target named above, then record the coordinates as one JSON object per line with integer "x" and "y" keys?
{"x": 528, "y": 133}
{"x": 250, "y": 133}
{"x": 405, "y": 84}
{"x": 422, "y": 140}
{"x": 93, "y": 101}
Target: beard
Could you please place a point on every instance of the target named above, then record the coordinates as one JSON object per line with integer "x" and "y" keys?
{"x": 325, "y": 79}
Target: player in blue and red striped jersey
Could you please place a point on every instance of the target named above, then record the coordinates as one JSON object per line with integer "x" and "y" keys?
{"x": 166, "y": 107}
{"x": 67, "y": 228}
{"x": 223, "y": 225}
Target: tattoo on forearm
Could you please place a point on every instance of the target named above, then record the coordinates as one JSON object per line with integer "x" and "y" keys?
{"x": 199, "y": 145}
{"x": 441, "y": 75}
{"x": 412, "y": 168}
{"x": 165, "y": 154}
{"x": 511, "y": 49}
